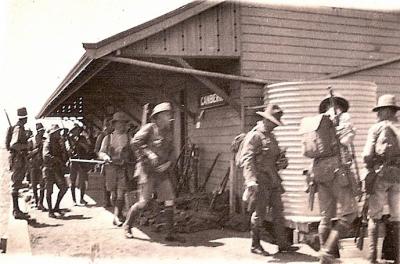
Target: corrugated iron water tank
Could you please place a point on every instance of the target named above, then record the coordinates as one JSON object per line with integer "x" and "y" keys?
{"x": 301, "y": 99}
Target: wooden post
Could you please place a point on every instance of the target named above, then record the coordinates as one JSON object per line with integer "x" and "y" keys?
{"x": 233, "y": 192}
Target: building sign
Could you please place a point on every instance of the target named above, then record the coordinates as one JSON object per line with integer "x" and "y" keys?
{"x": 211, "y": 100}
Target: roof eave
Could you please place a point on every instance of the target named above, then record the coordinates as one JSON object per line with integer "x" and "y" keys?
{"x": 83, "y": 62}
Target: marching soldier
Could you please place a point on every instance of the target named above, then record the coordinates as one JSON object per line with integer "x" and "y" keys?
{"x": 334, "y": 188}
{"x": 261, "y": 159}
{"x": 115, "y": 151}
{"x": 54, "y": 160}
{"x": 35, "y": 147}
{"x": 18, "y": 158}
{"x": 154, "y": 146}
{"x": 107, "y": 129}
{"x": 78, "y": 149}
{"x": 382, "y": 152}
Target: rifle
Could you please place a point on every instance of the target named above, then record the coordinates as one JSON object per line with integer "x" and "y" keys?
{"x": 343, "y": 168}
{"x": 311, "y": 189}
{"x": 93, "y": 161}
{"x": 221, "y": 188}
{"x": 203, "y": 187}
{"x": 353, "y": 156}
{"x": 145, "y": 114}
{"x": 8, "y": 118}
{"x": 362, "y": 225}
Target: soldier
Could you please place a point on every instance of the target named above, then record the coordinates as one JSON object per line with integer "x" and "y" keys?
{"x": 115, "y": 151}
{"x": 261, "y": 159}
{"x": 54, "y": 159}
{"x": 35, "y": 147}
{"x": 334, "y": 188}
{"x": 78, "y": 149}
{"x": 18, "y": 153}
{"x": 107, "y": 129}
{"x": 154, "y": 146}
{"x": 382, "y": 152}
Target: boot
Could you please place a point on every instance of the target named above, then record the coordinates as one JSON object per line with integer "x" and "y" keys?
{"x": 169, "y": 218}
{"x": 373, "y": 234}
{"x": 35, "y": 194}
{"x": 59, "y": 198}
{"x": 130, "y": 219}
{"x": 396, "y": 242}
{"x": 49, "y": 204}
{"x": 117, "y": 213}
{"x": 323, "y": 233}
{"x": 256, "y": 247}
{"x": 41, "y": 198}
{"x": 83, "y": 191}
{"x": 328, "y": 249}
{"x": 17, "y": 213}
{"x": 73, "y": 195}
{"x": 281, "y": 235}
{"x": 107, "y": 201}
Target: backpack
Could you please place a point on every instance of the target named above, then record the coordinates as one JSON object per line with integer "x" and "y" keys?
{"x": 236, "y": 147}
{"x": 9, "y": 133}
{"x": 318, "y": 137}
{"x": 387, "y": 143}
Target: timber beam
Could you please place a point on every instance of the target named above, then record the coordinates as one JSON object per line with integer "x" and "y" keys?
{"x": 210, "y": 85}
{"x": 164, "y": 67}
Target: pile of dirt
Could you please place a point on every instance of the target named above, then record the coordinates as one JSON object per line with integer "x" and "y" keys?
{"x": 193, "y": 214}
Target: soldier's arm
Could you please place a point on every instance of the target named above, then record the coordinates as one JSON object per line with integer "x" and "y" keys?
{"x": 16, "y": 142}
{"x": 97, "y": 145}
{"x": 140, "y": 142}
{"x": 251, "y": 144}
{"x": 47, "y": 156}
{"x": 84, "y": 143}
{"x": 103, "y": 152}
{"x": 368, "y": 154}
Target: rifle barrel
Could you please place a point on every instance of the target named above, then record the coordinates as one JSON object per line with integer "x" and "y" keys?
{"x": 8, "y": 118}
{"x": 87, "y": 161}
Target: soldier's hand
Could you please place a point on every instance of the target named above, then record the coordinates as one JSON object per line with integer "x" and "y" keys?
{"x": 369, "y": 181}
{"x": 282, "y": 163}
{"x": 107, "y": 159}
{"x": 163, "y": 167}
{"x": 153, "y": 158}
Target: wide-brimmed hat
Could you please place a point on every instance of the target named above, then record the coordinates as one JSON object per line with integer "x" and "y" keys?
{"x": 339, "y": 99}
{"x": 76, "y": 127}
{"x": 22, "y": 113}
{"x": 273, "y": 113}
{"x": 120, "y": 116}
{"x": 54, "y": 128}
{"x": 386, "y": 100}
{"x": 39, "y": 127}
{"x": 162, "y": 107}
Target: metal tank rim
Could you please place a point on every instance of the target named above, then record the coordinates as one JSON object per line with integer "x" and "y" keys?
{"x": 316, "y": 82}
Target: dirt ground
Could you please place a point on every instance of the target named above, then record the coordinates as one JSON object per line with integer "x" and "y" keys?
{"x": 85, "y": 234}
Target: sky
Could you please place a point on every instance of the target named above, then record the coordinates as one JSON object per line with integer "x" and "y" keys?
{"x": 41, "y": 40}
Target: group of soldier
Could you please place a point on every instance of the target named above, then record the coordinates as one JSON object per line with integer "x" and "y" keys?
{"x": 261, "y": 160}
{"x": 147, "y": 156}
{"x": 127, "y": 158}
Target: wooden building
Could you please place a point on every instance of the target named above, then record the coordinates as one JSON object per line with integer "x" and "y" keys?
{"x": 232, "y": 50}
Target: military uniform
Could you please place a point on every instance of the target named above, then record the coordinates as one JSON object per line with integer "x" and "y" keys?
{"x": 54, "y": 159}
{"x": 106, "y": 131}
{"x": 18, "y": 166}
{"x": 334, "y": 189}
{"x": 35, "y": 147}
{"x": 79, "y": 149}
{"x": 382, "y": 153}
{"x": 154, "y": 148}
{"x": 115, "y": 150}
{"x": 260, "y": 156}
